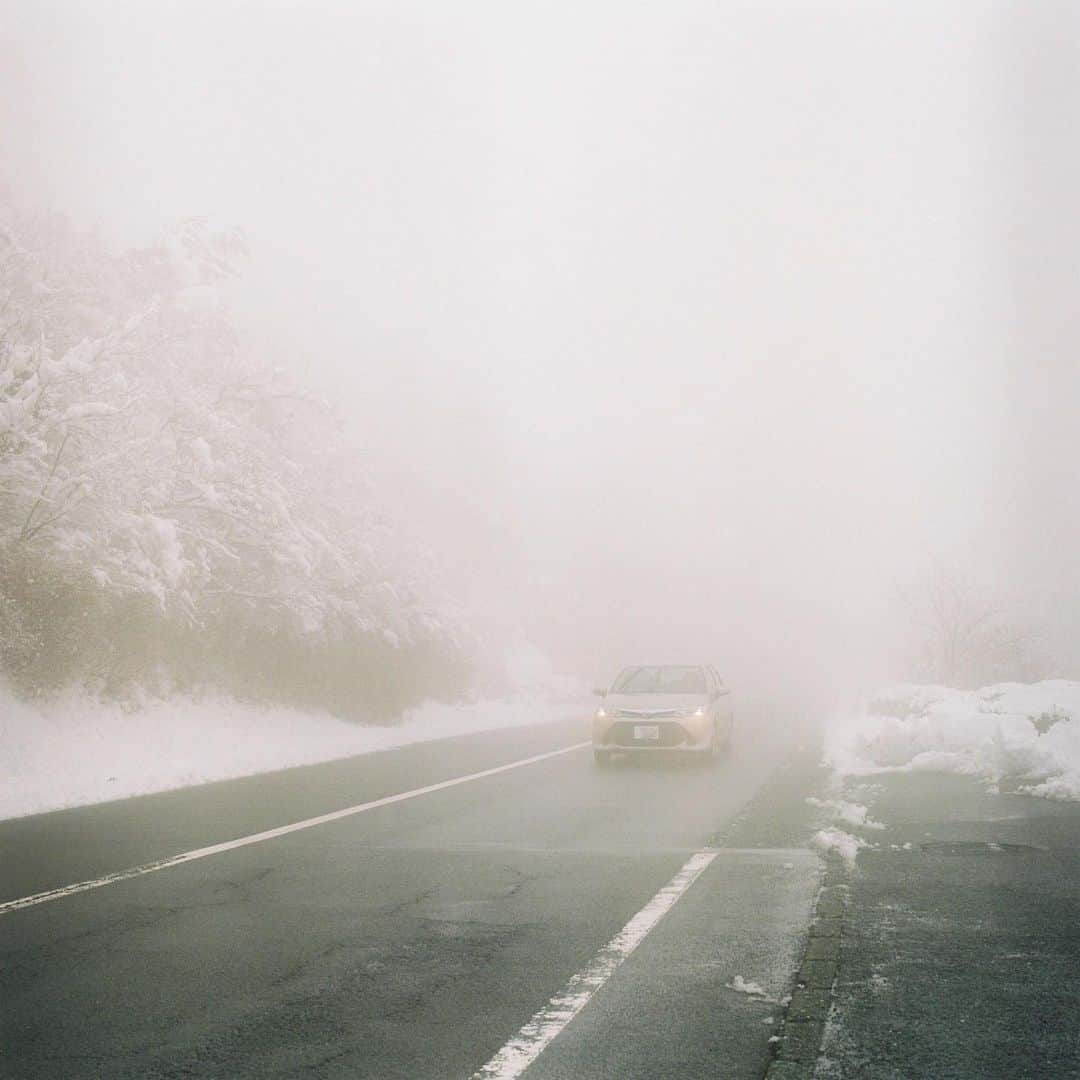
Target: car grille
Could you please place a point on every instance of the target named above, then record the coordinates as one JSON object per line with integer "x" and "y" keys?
{"x": 644, "y": 717}
{"x": 622, "y": 734}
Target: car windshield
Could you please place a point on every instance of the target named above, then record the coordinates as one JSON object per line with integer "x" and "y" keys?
{"x": 660, "y": 680}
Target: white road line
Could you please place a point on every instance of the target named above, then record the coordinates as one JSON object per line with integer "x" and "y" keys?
{"x": 527, "y": 1045}
{"x": 270, "y": 834}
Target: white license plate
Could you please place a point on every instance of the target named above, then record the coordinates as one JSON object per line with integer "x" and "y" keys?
{"x": 646, "y": 731}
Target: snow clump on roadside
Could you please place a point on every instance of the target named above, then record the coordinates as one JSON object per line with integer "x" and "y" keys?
{"x": 847, "y": 813}
{"x": 839, "y": 842}
{"x": 745, "y": 986}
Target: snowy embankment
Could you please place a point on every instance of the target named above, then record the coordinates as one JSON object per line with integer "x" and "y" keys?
{"x": 1027, "y": 734}
{"x": 77, "y": 751}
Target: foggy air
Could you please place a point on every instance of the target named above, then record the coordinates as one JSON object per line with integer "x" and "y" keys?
{"x": 525, "y": 533}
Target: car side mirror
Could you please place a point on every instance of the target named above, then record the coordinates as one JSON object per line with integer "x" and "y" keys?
{"x": 599, "y": 691}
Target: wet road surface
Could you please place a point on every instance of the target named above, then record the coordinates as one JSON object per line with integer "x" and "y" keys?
{"x": 414, "y": 939}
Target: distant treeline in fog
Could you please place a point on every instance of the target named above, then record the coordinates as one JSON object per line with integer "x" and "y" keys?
{"x": 174, "y": 514}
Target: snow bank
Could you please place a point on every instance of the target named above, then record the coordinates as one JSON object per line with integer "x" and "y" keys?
{"x": 79, "y": 751}
{"x": 1024, "y": 732}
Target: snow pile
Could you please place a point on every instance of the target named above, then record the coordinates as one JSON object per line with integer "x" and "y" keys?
{"x": 1024, "y": 732}
{"x": 838, "y": 842}
{"x": 80, "y": 750}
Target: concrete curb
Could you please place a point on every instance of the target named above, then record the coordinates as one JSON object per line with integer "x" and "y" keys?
{"x": 803, "y": 1026}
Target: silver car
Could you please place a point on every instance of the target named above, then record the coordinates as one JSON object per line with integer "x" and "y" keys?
{"x": 664, "y": 710}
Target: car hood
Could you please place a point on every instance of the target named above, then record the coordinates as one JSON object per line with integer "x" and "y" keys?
{"x": 654, "y": 703}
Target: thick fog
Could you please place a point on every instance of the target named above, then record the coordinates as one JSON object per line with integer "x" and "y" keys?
{"x": 682, "y": 330}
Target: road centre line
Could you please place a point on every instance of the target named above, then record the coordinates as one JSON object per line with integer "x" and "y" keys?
{"x": 527, "y": 1045}
{"x": 270, "y": 834}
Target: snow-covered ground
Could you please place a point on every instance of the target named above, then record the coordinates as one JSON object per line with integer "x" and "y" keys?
{"x": 1026, "y": 733}
{"x": 79, "y": 750}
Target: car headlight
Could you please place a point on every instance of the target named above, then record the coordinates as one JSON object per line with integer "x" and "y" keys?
{"x": 601, "y": 713}
{"x": 697, "y": 713}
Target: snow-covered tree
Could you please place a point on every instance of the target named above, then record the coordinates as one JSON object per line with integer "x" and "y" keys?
{"x": 964, "y": 636}
{"x": 156, "y": 474}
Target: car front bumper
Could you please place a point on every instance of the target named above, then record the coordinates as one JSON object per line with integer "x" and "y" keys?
{"x": 687, "y": 735}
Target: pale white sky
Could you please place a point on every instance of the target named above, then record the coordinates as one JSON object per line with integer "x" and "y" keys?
{"x": 668, "y": 327}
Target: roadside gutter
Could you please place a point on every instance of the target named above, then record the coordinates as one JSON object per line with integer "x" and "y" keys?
{"x": 803, "y": 1027}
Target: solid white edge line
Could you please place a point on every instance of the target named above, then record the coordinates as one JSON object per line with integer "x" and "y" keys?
{"x": 270, "y": 834}
{"x": 527, "y": 1045}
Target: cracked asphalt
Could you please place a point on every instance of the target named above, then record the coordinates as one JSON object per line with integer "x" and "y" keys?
{"x": 413, "y": 940}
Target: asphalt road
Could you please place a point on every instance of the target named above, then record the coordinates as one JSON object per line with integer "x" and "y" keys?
{"x": 414, "y": 939}
{"x": 961, "y": 955}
